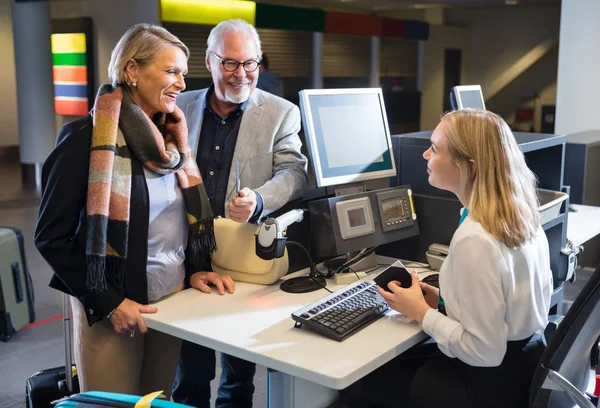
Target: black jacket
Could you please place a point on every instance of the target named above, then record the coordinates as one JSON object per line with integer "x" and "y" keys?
{"x": 61, "y": 231}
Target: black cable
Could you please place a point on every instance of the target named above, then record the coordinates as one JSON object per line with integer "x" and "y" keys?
{"x": 357, "y": 277}
{"x": 361, "y": 255}
{"x": 314, "y": 273}
{"x": 365, "y": 272}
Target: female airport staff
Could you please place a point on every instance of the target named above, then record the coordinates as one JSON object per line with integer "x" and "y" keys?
{"x": 495, "y": 283}
{"x": 124, "y": 217}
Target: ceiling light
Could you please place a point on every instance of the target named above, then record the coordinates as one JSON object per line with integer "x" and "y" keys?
{"x": 511, "y": 2}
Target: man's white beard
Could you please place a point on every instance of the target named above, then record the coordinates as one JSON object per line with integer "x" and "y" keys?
{"x": 240, "y": 96}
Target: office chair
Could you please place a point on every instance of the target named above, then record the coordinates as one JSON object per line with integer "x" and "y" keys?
{"x": 564, "y": 371}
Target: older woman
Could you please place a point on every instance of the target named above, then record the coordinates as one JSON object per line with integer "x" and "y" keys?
{"x": 495, "y": 283}
{"x": 124, "y": 218}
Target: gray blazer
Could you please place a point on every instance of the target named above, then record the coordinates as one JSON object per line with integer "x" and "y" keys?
{"x": 267, "y": 147}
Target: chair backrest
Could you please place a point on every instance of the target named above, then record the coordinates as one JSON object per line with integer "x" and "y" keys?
{"x": 569, "y": 349}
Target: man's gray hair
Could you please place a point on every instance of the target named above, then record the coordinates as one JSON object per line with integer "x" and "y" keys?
{"x": 232, "y": 26}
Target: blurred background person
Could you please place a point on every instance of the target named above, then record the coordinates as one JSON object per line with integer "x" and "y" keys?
{"x": 268, "y": 80}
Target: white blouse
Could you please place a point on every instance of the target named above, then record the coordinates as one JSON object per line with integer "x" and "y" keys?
{"x": 492, "y": 294}
{"x": 167, "y": 234}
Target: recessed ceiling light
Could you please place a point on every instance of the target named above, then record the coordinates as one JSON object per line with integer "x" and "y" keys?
{"x": 511, "y": 2}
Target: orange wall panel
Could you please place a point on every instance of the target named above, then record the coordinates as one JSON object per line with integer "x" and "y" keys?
{"x": 352, "y": 24}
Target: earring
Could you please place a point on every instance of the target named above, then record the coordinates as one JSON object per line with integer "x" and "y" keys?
{"x": 134, "y": 84}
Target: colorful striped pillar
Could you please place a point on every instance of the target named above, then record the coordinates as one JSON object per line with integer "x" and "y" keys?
{"x": 69, "y": 56}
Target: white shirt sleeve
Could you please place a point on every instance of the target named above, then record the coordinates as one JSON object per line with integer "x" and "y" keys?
{"x": 477, "y": 334}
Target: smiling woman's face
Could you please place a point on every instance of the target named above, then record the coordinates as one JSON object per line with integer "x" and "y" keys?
{"x": 160, "y": 81}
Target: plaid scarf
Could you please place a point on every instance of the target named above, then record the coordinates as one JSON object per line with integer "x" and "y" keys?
{"x": 121, "y": 130}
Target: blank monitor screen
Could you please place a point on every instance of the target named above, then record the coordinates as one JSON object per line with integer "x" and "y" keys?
{"x": 469, "y": 96}
{"x": 347, "y": 135}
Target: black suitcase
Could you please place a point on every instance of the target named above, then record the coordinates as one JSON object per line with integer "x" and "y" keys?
{"x": 52, "y": 384}
{"x": 16, "y": 288}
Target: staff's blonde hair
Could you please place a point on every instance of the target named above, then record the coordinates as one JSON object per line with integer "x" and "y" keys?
{"x": 501, "y": 193}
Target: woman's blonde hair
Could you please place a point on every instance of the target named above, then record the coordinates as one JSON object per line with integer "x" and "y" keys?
{"x": 141, "y": 42}
{"x": 501, "y": 193}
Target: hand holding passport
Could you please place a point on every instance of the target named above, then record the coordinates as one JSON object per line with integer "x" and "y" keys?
{"x": 395, "y": 272}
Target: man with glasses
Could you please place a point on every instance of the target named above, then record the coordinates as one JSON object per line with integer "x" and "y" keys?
{"x": 232, "y": 123}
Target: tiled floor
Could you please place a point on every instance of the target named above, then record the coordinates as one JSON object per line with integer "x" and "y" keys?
{"x": 42, "y": 346}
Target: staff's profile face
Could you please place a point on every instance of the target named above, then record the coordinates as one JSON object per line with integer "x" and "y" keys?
{"x": 237, "y": 85}
{"x": 443, "y": 172}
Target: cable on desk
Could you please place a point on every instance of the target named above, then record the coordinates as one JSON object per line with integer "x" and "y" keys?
{"x": 362, "y": 254}
{"x": 314, "y": 273}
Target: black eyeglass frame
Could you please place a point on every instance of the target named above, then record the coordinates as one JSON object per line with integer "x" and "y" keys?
{"x": 223, "y": 61}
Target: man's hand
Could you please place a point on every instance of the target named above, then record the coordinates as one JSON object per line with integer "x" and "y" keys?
{"x": 128, "y": 319}
{"x": 200, "y": 281}
{"x": 410, "y": 301}
{"x": 242, "y": 207}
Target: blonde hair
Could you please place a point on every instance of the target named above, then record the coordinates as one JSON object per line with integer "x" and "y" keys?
{"x": 141, "y": 42}
{"x": 501, "y": 193}
{"x": 232, "y": 26}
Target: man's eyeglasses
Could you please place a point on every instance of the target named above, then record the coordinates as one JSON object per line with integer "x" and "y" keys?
{"x": 231, "y": 65}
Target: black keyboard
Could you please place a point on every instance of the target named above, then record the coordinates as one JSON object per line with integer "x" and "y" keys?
{"x": 344, "y": 312}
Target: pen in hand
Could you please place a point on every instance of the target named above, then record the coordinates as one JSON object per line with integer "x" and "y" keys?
{"x": 238, "y": 186}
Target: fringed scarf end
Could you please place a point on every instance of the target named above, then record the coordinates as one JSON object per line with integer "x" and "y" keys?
{"x": 201, "y": 241}
{"x": 102, "y": 270}
{"x": 96, "y": 278}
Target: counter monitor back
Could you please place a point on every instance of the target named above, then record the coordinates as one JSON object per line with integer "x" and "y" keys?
{"x": 347, "y": 135}
{"x": 467, "y": 96}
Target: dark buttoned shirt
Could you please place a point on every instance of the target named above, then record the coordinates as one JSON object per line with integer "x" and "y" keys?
{"x": 218, "y": 137}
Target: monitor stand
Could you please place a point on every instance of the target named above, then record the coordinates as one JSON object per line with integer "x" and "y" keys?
{"x": 350, "y": 188}
{"x": 369, "y": 261}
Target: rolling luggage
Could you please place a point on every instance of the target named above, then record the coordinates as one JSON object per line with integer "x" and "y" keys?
{"x": 98, "y": 399}
{"x": 52, "y": 384}
{"x": 16, "y": 288}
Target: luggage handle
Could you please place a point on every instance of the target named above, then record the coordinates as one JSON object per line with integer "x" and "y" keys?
{"x": 68, "y": 344}
{"x": 16, "y": 274}
{"x": 146, "y": 400}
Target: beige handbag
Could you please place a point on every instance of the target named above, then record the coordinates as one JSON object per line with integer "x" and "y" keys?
{"x": 236, "y": 254}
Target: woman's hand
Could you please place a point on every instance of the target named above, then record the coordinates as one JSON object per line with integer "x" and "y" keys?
{"x": 410, "y": 301}
{"x": 128, "y": 319}
{"x": 432, "y": 295}
{"x": 200, "y": 281}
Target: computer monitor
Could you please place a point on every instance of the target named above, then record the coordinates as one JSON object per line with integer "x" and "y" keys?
{"x": 467, "y": 96}
{"x": 347, "y": 135}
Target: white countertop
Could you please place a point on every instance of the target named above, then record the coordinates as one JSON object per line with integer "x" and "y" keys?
{"x": 583, "y": 224}
{"x": 255, "y": 324}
